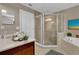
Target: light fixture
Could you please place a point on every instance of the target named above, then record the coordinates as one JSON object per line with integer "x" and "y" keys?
{"x": 49, "y": 19}
{"x": 4, "y": 11}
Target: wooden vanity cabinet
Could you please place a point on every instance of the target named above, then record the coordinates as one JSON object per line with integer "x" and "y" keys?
{"x": 27, "y": 49}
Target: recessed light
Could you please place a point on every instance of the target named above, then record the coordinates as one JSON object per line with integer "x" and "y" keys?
{"x": 4, "y": 11}
{"x": 49, "y": 19}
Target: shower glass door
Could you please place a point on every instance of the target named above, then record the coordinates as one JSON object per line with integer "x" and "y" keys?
{"x": 38, "y": 29}
{"x": 50, "y": 30}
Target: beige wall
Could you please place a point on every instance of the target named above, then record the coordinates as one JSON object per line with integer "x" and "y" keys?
{"x": 15, "y": 8}
{"x": 72, "y": 13}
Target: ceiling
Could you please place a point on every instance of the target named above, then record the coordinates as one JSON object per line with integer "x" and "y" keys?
{"x": 48, "y": 8}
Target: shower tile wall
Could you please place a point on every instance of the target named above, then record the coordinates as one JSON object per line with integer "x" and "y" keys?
{"x": 50, "y": 31}
{"x": 60, "y": 23}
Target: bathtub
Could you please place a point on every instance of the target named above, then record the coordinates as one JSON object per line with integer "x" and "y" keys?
{"x": 72, "y": 40}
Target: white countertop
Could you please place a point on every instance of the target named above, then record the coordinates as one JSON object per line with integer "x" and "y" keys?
{"x": 6, "y": 44}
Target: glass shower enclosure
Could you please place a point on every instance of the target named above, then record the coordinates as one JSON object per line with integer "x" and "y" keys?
{"x": 46, "y": 28}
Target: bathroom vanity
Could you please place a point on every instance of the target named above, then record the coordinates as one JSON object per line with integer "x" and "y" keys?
{"x": 9, "y": 47}
{"x": 14, "y": 19}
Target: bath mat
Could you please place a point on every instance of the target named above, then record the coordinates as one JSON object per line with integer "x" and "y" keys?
{"x": 52, "y": 52}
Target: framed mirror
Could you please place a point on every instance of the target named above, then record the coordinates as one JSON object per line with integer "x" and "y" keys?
{"x": 7, "y": 17}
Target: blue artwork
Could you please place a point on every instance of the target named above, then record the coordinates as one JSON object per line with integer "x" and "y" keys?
{"x": 73, "y": 24}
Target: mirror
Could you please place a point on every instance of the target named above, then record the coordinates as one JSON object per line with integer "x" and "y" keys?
{"x": 7, "y": 17}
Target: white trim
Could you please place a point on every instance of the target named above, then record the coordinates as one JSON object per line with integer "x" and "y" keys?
{"x": 20, "y": 19}
{"x": 43, "y": 29}
{"x": 50, "y": 46}
{"x": 57, "y": 27}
